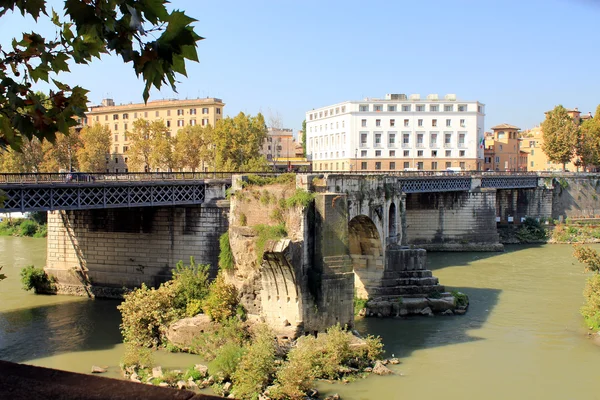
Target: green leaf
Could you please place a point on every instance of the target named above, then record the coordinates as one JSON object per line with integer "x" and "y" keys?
{"x": 154, "y": 10}
{"x": 59, "y": 62}
{"x": 40, "y": 72}
{"x": 179, "y": 65}
{"x": 60, "y": 85}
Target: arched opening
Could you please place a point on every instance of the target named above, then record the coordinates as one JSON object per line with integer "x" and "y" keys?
{"x": 366, "y": 253}
{"x": 392, "y": 221}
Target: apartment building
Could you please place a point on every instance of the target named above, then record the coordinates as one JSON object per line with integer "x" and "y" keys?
{"x": 398, "y": 132}
{"x": 503, "y": 149}
{"x": 175, "y": 113}
{"x": 283, "y": 151}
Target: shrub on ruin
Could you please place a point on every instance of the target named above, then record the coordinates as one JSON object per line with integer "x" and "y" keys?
{"x": 226, "y": 360}
{"x": 147, "y": 312}
{"x": 36, "y": 279}
{"x": 301, "y": 198}
{"x": 191, "y": 283}
{"x": 225, "y": 254}
{"x": 257, "y": 365}
{"x": 531, "y": 231}
{"x": 265, "y": 233}
{"x": 207, "y": 344}
{"x": 222, "y": 301}
{"x": 136, "y": 356}
{"x": 297, "y": 374}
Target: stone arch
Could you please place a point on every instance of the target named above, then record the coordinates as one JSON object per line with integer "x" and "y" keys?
{"x": 366, "y": 253}
{"x": 392, "y": 224}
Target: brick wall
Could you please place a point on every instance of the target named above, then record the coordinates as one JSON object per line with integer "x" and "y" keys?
{"x": 97, "y": 247}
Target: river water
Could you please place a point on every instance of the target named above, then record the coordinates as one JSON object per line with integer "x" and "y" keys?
{"x": 522, "y": 337}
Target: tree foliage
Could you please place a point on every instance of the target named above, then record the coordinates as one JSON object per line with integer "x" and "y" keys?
{"x": 141, "y": 144}
{"x": 62, "y": 154}
{"x": 588, "y": 142}
{"x": 95, "y": 148}
{"x": 157, "y": 43}
{"x": 304, "y": 138}
{"x": 560, "y": 136}
{"x": 193, "y": 147}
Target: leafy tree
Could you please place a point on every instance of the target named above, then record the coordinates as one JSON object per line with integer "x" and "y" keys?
{"x": 162, "y": 155}
{"x": 95, "y": 148}
{"x": 10, "y": 161}
{"x": 304, "y": 138}
{"x": 588, "y": 142}
{"x": 62, "y": 154}
{"x": 142, "y": 140}
{"x": 193, "y": 146}
{"x": 157, "y": 42}
{"x": 560, "y": 136}
{"x": 238, "y": 142}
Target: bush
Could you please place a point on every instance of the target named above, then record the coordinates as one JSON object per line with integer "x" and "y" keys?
{"x": 300, "y": 198}
{"x": 36, "y": 279}
{"x": 207, "y": 344}
{"x": 225, "y": 255}
{"x": 136, "y": 356}
{"x": 359, "y": 304}
{"x": 222, "y": 301}
{"x": 28, "y": 228}
{"x": 191, "y": 283}
{"x": 146, "y": 313}
{"x": 256, "y": 180}
{"x": 531, "y": 231}
{"x": 257, "y": 365}
{"x": 41, "y": 232}
{"x": 227, "y": 360}
{"x": 587, "y": 256}
{"x": 193, "y": 308}
{"x": 591, "y": 309}
{"x": 462, "y": 300}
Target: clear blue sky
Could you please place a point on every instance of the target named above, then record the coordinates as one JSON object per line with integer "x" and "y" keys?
{"x": 520, "y": 58}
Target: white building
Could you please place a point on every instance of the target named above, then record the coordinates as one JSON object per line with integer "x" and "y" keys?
{"x": 397, "y": 133}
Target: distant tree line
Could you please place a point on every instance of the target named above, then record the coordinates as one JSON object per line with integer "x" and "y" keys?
{"x": 233, "y": 144}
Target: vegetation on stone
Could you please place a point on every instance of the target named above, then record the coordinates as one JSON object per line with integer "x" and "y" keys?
{"x": 300, "y": 198}
{"x": 222, "y": 300}
{"x": 462, "y": 300}
{"x": 531, "y": 231}
{"x": 258, "y": 180}
{"x": 591, "y": 310}
{"x": 225, "y": 255}
{"x": 573, "y": 233}
{"x": 36, "y": 279}
{"x": 132, "y": 29}
{"x": 265, "y": 233}
{"x": 359, "y": 304}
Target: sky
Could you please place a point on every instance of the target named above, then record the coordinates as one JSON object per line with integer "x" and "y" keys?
{"x": 286, "y": 57}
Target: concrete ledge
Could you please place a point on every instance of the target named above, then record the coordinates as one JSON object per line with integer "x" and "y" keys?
{"x": 19, "y": 381}
{"x": 462, "y": 247}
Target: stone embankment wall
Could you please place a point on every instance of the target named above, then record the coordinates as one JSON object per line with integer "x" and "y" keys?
{"x": 452, "y": 221}
{"x": 513, "y": 205}
{"x": 116, "y": 248}
{"x": 575, "y": 197}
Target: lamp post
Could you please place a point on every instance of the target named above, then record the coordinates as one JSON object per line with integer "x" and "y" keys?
{"x": 356, "y": 159}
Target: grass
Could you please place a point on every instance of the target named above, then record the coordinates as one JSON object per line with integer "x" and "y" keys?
{"x": 266, "y": 233}
{"x": 257, "y": 180}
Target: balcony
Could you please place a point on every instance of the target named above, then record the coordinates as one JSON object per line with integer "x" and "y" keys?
{"x": 364, "y": 146}
{"x": 448, "y": 145}
{"x": 405, "y": 145}
{"x": 462, "y": 145}
{"x": 420, "y": 145}
{"x": 433, "y": 145}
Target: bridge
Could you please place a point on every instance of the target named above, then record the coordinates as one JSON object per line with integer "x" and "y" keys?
{"x": 54, "y": 191}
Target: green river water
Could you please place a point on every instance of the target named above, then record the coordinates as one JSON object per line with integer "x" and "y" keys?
{"x": 522, "y": 337}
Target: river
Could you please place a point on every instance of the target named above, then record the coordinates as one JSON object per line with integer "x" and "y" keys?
{"x": 522, "y": 337}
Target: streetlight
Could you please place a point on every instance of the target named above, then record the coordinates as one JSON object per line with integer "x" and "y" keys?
{"x": 356, "y": 159}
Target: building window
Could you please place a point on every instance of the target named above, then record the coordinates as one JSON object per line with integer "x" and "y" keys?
{"x": 363, "y": 123}
{"x": 377, "y": 153}
{"x": 419, "y": 122}
{"x": 378, "y": 165}
{"x": 420, "y": 140}
{"x": 378, "y": 140}
{"x": 377, "y": 122}
{"x": 405, "y": 122}
{"x": 363, "y": 107}
{"x": 462, "y": 123}
{"x": 392, "y": 153}
{"x": 406, "y": 153}
{"x": 448, "y": 164}
{"x": 192, "y": 122}
{"x": 461, "y": 140}
{"x": 192, "y": 111}
{"x": 156, "y": 113}
{"x": 168, "y": 123}
{"x": 433, "y": 139}
{"x": 447, "y": 139}
{"x": 420, "y": 165}
{"x": 391, "y": 108}
{"x": 116, "y": 149}
{"x": 392, "y": 122}
{"x": 125, "y": 149}
{"x": 116, "y": 138}
{"x": 116, "y": 160}
{"x": 419, "y": 153}
{"x": 433, "y": 108}
{"x": 392, "y": 165}
{"x": 406, "y": 108}
{"x": 343, "y": 109}
{"x": 97, "y": 118}
{"x": 461, "y": 153}
{"x": 363, "y": 165}
{"x": 532, "y": 163}
{"x": 146, "y": 114}
{"x": 448, "y": 108}
{"x": 363, "y": 153}
{"x": 406, "y": 164}
{"x": 448, "y": 122}
{"x": 462, "y": 107}
{"x": 434, "y": 165}
{"x": 391, "y": 139}
{"x": 532, "y": 152}
{"x": 480, "y": 109}
{"x": 125, "y": 116}
{"x": 180, "y": 111}
{"x": 168, "y": 113}
{"x": 420, "y": 108}
{"x": 448, "y": 153}
{"x": 125, "y": 136}
{"x": 106, "y": 117}
{"x": 124, "y": 126}
{"x": 116, "y": 127}
{"x": 497, "y": 158}
{"x": 433, "y": 153}
{"x": 115, "y": 117}
{"x": 218, "y": 110}
{"x": 205, "y": 111}
{"x": 406, "y": 140}
{"x": 180, "y": 122}
{"x": 378, "y": 108}
{"x": 363, "y": 139}
{"x": 462, "y": 165}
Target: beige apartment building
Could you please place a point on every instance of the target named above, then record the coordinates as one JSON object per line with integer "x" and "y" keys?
{"x": 503, "y": 149}
{"x": 282, "y": 151}
{"x": 176, "y": 114}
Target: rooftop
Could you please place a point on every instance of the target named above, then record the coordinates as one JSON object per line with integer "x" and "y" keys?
{"x": 505, "y": 127}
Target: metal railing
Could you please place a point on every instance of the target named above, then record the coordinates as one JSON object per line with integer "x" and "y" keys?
{"x": 81, "y": 177}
